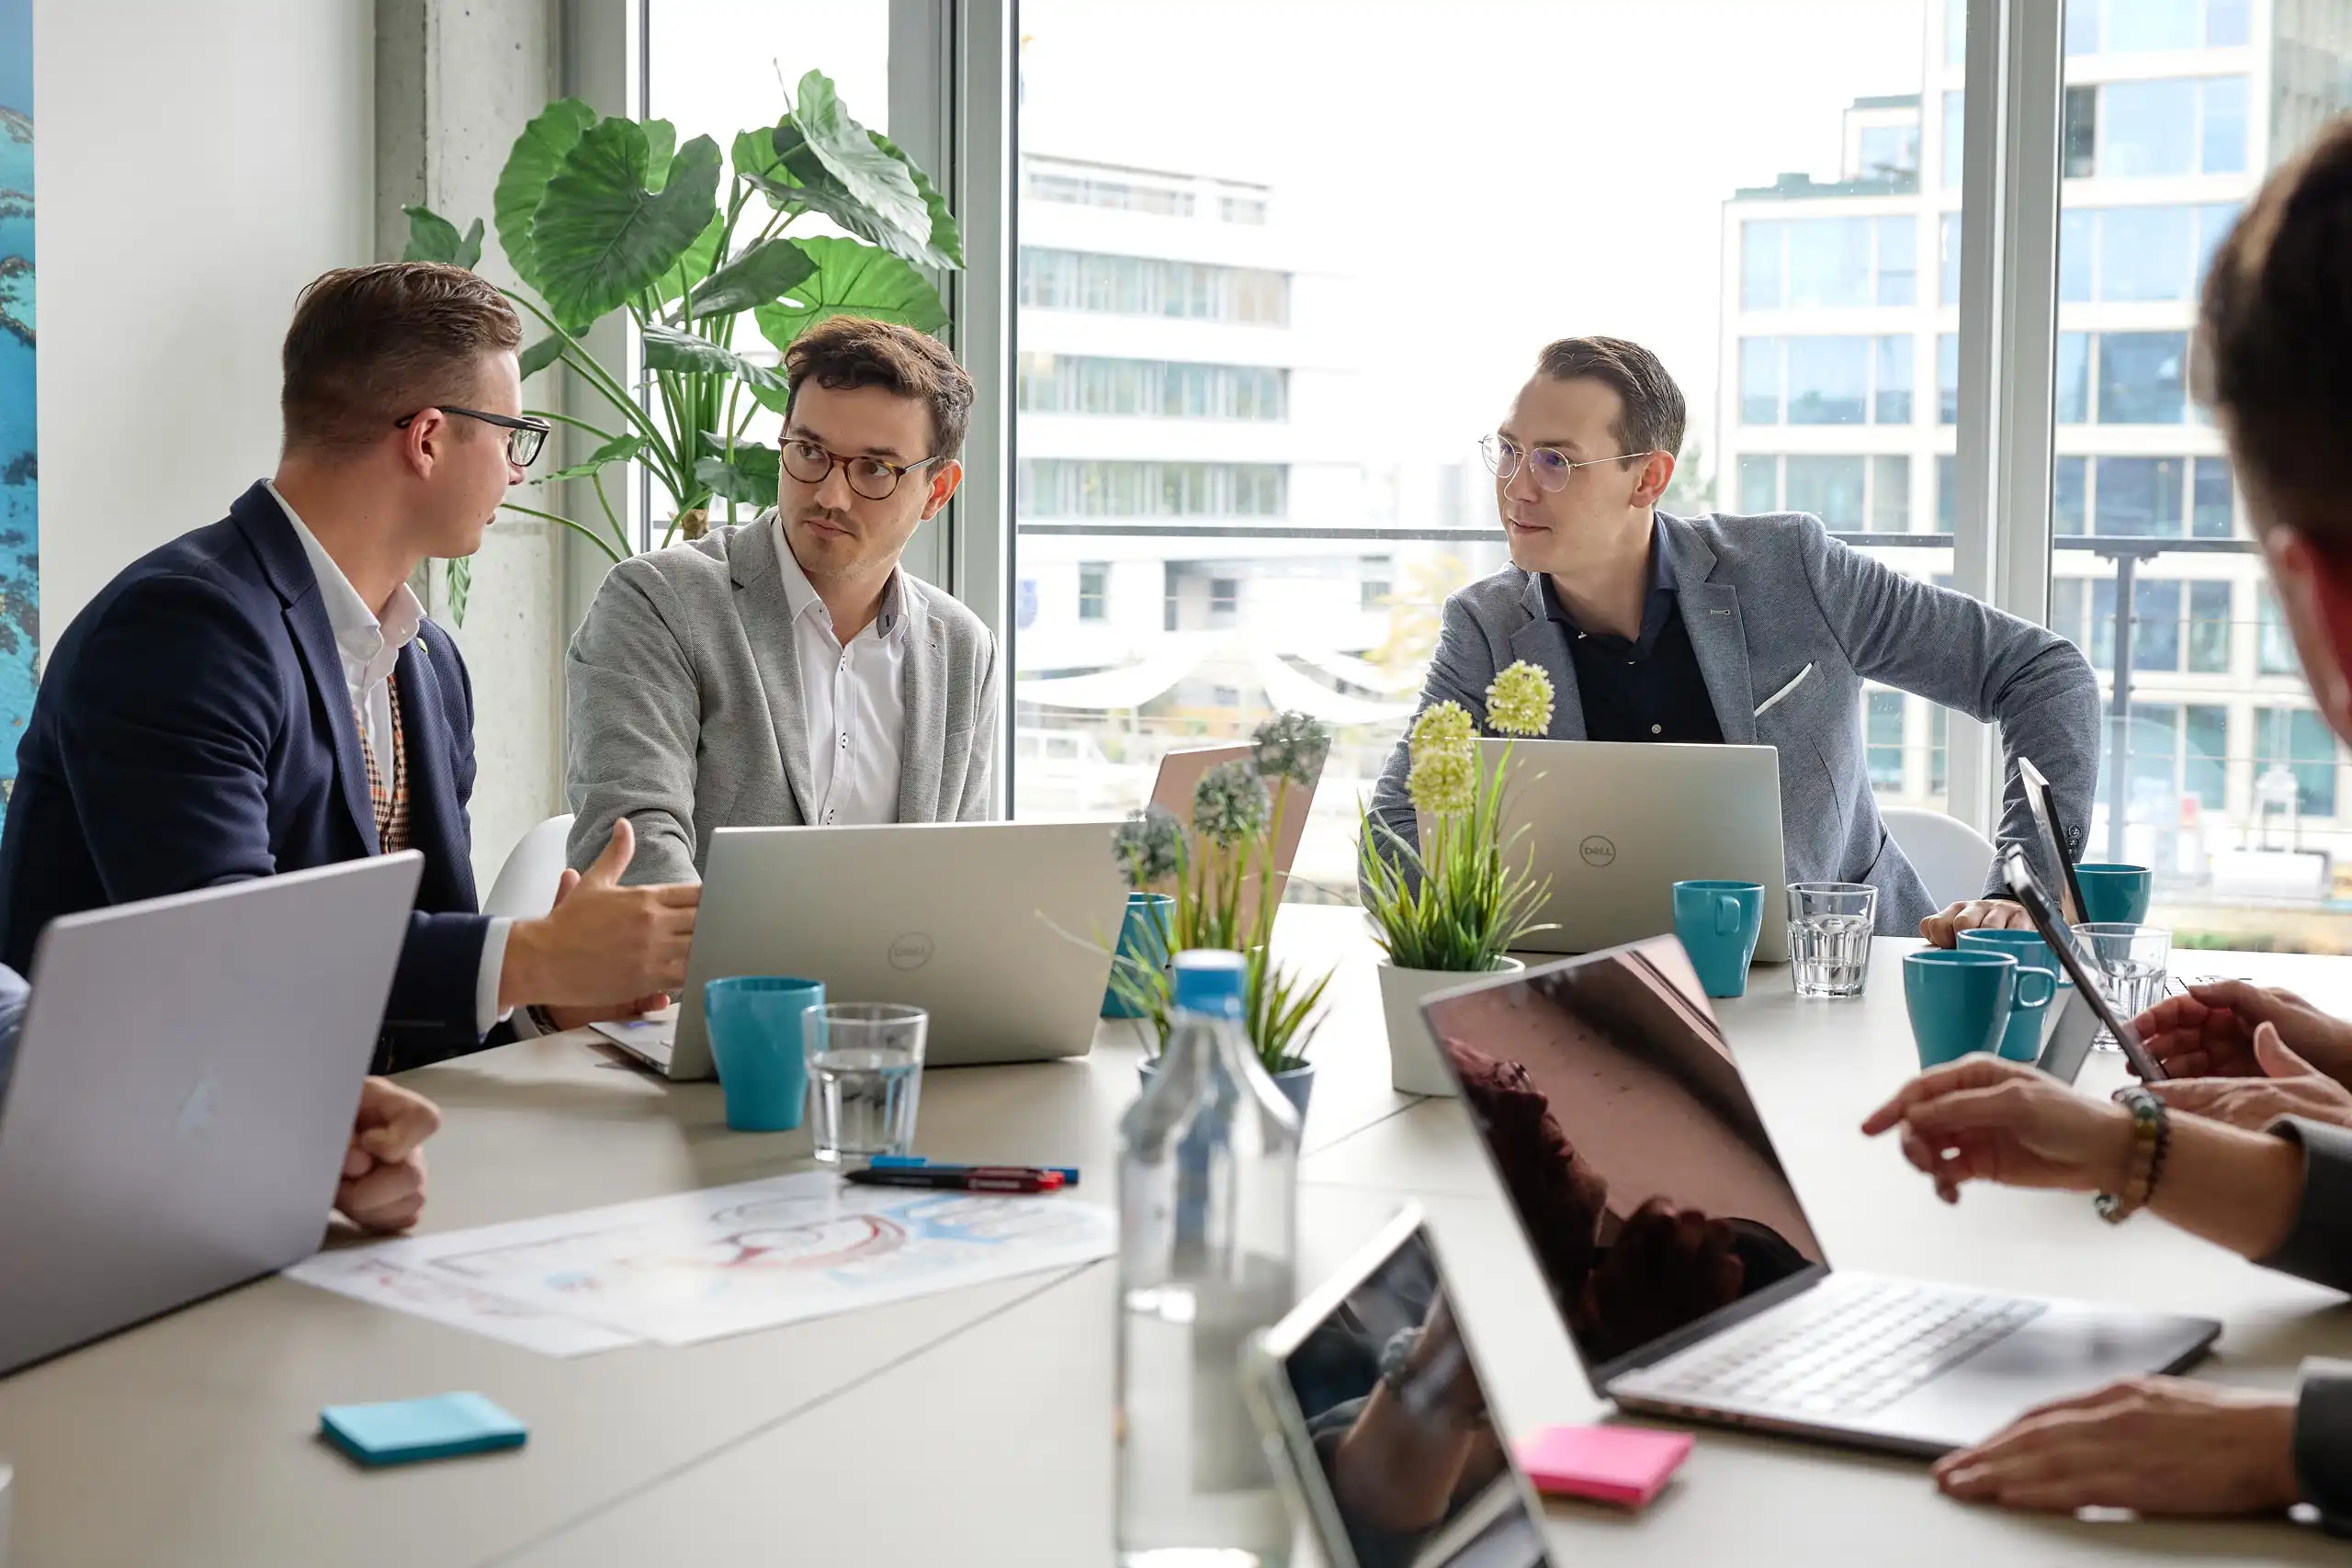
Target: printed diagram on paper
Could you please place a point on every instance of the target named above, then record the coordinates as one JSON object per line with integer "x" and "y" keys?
{"x": 699, "y": 1266}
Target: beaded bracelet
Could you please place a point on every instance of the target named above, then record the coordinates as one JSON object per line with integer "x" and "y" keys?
{"x": 2151, "y": 1135}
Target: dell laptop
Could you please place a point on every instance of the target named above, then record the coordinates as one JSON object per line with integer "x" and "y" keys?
{"x": 1611, "y": 1109}
{"x": 183, "y": 1094}
{"x": 1001, "y": 932}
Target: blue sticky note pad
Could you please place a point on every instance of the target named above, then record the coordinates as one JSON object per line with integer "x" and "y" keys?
{"x": 403, "y": 1431}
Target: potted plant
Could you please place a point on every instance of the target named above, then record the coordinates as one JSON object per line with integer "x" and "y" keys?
{"x": 1221, "y": 873}
{"x": 1453, "y": 906}
{"x": 605, "y": 215}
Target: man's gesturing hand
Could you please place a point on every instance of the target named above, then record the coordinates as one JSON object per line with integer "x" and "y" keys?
{"x": 604, "y": 945}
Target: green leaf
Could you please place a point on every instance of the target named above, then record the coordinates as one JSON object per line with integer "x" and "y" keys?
{"x": 667, "y": 348}
{"x": 946, "y": 245}
{"x": 877, "y": 181}
{"x": 660, "y": 147}
{"x": 432, "y": 238}
{"x": 458, "y": 580}
{"x": 748, "y": 477}
{"x": 619, "y": 450}
{"x": 601, "y": 237}
{"x": 852, "y": 280}
{"x": 695, "y": 264}
{"x": 759, "y": 163}
{"x": 539, "y": 355}
{"x": 755, "y": 276}
{"x": 523, "y": 184}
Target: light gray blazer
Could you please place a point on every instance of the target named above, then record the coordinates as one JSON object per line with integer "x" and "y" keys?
{"x": 685, "y": 713}
{"x": 1763, "y": 598}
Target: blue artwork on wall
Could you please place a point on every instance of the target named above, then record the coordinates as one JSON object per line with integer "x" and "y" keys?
{"x": 20, "y": 478}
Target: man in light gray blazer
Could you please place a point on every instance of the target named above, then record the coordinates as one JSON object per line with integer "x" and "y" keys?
{"x": 786, "y": 672}
{"x": 1739, "y": 630}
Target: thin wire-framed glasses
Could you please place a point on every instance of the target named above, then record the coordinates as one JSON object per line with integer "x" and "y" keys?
{"x": 524, "y": 437}
{"x": 869, "y": 476}
{"x": 1551, "y": 468}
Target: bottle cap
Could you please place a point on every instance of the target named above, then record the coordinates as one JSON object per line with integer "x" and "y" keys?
{"x": 1209, "y": 980}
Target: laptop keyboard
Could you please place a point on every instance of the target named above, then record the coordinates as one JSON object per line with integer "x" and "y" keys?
{"x": 1853, "y": 1353}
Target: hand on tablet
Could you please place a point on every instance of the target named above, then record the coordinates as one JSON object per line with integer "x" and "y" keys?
{"x": 2208, "y": 1034}
{"x": 2289, "y": 1086}
{"x": 1943, "y": 928}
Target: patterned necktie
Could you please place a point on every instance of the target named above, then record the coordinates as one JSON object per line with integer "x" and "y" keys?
{"x": 389, "y": 801}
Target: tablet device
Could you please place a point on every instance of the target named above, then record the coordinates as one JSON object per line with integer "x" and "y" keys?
{"x": 2041, "y": 801}
{"x": 1377, "y": 1424}
{"x": 2089, "y": 989}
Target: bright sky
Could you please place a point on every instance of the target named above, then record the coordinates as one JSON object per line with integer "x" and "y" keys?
{"x": 1499, "y": 173}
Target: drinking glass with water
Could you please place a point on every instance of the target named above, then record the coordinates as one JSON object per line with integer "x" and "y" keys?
{"x": 2132, "y": 962}
{"x": 865, "y": 1075}
{"x": 1829, "y": 937}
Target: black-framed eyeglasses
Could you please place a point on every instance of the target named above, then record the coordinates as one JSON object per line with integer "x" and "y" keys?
{"x": 1551, "y": 468}
{"x": 524, "y": 437}
{"x": 869, "y": 476}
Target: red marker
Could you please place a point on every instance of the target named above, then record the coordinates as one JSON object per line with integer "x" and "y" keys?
{"x": 975, "y": 1181}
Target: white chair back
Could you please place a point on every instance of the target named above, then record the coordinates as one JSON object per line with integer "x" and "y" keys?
{"x": 526, "y": 883}
{"x": 1952, "y": 858}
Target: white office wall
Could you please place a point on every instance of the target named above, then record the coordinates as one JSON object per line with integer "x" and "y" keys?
{"x": 195, "y": 165}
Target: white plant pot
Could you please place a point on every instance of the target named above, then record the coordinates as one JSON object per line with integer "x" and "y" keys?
{"x": 1413, "y": 1064}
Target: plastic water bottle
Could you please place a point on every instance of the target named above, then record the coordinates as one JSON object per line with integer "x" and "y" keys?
{"x": 1208, "y": 1181}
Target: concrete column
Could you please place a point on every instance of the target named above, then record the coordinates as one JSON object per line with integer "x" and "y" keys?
{"x": 456, "y": 83}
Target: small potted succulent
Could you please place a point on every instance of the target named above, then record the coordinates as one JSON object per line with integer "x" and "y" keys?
{"x": 1220, "y": 871}
{"x": 1453, "y": 905}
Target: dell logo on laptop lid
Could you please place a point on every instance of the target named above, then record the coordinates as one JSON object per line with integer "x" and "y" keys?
{"x": 1597, "y": 850}
{"x": 912, "y": 951}
{"x": 196, "y": 1110}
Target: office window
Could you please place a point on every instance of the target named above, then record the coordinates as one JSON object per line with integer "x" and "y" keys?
{"x": 2155, "y": 632}
{"x": 1948, "y": 257}
{"x": 1886, "y": 740}
{"x": 1372, "y": 590}
{"x": 2138, "y": 26}
{"x": 2146, "y": 253}
{"x": 2297, "y": 741}
{"x": 2079, "y": 133}
{"x": 2147, "y": 130}
{"x": 1052, "y": 487}
{"x": 1760, "y": 380}
{"x": 1150, "y": 388}
{"x": 2214, "y": 221}
{"x": 1889, "y": 153}
{"x": 1890, "y": 494}
{"x": 2228, "y": 23}
{"x": 1825, "y": 380}
{"x": 1939, "y": 749}
{"x": 1119, "y": 195}
{"x": 1829, "y": 379}
{"x": 2082, "y": 27}
{"x": 1225, "y": 600}
{"x": 2078, "y": 249}
{"x": 2208, "y": 628}
{"x": 1947, "y": 493}
{"x": 1830, "y": 488}
{"x": 2070, "y": 616}
{"x": 2140, "y": 496}
{"x": 1759, "y": 483}
{"x": 2213, "y": 512}
{"x": 1763, "y": 252}
{"x": 1955, "y": 32}
{"x": 1955, "y": 113}
{"x": 2223, "y": 125}
{"x": 2142, "y": 377}
{"x": 1891, "y": 385}
{"x": 1829, "y": 262}
{"x": 1898, "y": 257}
{"x": 1148, "y": 286}
{"x": 2072, "y": 379}
{"x": 2206, "y": 750}
{"x": 1947, "y": 378}
{"x": 2069, "y": 508}
{"x": 1242, "y": 209}
{"x": 2274, "y": 651}
{"x": 1093, "y": 591}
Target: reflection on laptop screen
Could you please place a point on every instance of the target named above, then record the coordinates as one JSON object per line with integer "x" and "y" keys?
{"x": 1627, "y": 1142}
{"x": 1416, "y": 1469}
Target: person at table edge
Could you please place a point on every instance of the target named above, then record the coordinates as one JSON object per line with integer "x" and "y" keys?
{"x": 265, "y": 694}
{"x": 788, "y": 671}
{"x": 1748, "y": 630}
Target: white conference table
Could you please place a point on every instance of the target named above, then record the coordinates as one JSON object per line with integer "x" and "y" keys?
{"x": 974, "y": 1427}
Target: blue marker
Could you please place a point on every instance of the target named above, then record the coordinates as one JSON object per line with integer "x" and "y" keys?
{"x": 1068, "y": 1173}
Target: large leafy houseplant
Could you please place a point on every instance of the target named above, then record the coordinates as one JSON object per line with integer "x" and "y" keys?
{"x": 1221, "y": 869}
{"x": 604, "y": 214}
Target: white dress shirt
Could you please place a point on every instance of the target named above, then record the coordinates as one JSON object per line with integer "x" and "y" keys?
{"x": 370, "y": 649}
{"x": 856, "y": 697}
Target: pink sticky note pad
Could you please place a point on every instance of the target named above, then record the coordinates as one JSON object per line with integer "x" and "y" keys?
{"x": 1615, "y": 1464}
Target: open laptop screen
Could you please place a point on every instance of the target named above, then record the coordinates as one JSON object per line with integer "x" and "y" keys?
{"x": 1416, "y": 1471}
{"x": 1627, "y": 1142}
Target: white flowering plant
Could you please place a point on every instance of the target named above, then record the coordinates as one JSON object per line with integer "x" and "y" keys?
{"x": 1210, "y": 869}
{"x": 1457, "y": 901}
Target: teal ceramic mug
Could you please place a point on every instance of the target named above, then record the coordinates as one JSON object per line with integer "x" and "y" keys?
{"x": 2114, "y": 894}
{"x": 755, "y": 1023}
{"x": 1959, "y": 1001}
{"x": 1719, "y": 923}
{"x": 2021, "y": 1041}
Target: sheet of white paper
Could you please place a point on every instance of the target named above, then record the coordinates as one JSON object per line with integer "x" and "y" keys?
{"x": 378, "y": 1275}
{"x": 697, "y": 1266}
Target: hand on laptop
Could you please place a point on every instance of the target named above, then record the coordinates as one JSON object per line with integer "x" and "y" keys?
{"x": 605, "y": 949}
{"x": 382, "y": 1186}
{"x": 2209, "y": 1032}
{"x": 1942, "y": 929}
{"x": 2152, "y": 1444}
{"x": 2289, "y": 1086}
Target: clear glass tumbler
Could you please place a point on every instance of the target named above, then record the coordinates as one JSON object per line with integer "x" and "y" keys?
{"x": 865, "y": 1078}
{"x": 1829, "y": 937}
{"x": 2131, "y": 961}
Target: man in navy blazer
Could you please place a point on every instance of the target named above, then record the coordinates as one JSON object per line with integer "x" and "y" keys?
{"x": 266, "y": 695}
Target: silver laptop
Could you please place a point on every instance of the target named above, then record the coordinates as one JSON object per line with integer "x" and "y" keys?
{"x": 183, "y": 1094}
{"x": 1607, "y": 1102}
{"x": 1385, "y": 1324}
{"x": 1616, "y": 824}
{"x": 1001, "y": 930}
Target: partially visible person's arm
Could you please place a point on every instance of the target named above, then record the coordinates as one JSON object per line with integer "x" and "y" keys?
{"x": 978, "y": 803}
{"x": 635, "y": 713}
{"x": 2317, "y": 1244}
{"x": 2322, "y": 1443}
{"x": 1964, "y": 654}
{"x": 1460, "y": 671}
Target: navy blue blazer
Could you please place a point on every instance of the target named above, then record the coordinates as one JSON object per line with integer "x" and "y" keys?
{"x": 194, "y": 727}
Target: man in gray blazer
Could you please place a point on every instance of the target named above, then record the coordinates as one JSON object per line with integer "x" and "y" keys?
{"x": 785, "y": 670}
{"x": 1740, "y": 630}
